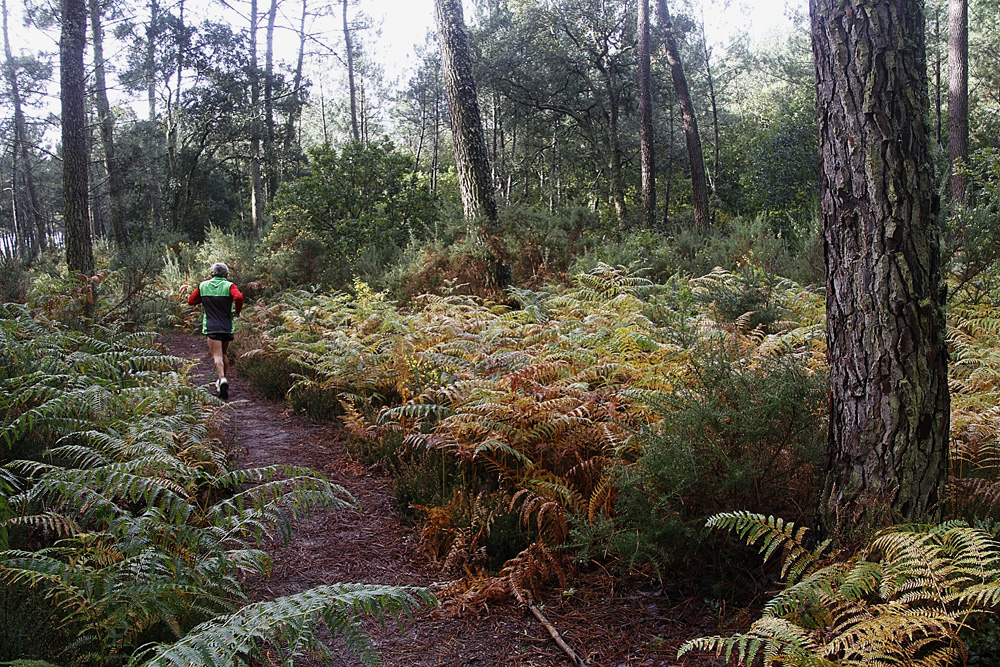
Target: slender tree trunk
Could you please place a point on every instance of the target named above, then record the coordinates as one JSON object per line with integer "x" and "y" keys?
{"x": 322, "y": 112}
{"x": 107, "y": 122}
{"x": 958, "y": 96}
{"x": 20, "y": 149}
{"x": 256, "y": 196}
{"x": 937, "y": 74}
{"x": 156, "y": 191}
{"x": 296, "y": 111}
{"x": 889, "y": 405}
{"x": 423, "y": 129}
{"x": 646, "y": 121}
{"x": 712, "y": 100}
{"x": 617, "y": 186}
{"x": 670, "y": 169}
{"x": 76, "y": 210}
{"x": 696, "y": 158}
{"x": 270, "y": 158}
{"x": 350, "y": 76}
{"x": 436, "y": 146}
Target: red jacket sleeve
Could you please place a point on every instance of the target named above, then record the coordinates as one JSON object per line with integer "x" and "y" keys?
{"x": 237, "y": 298}
{"x": 195, "y": 298}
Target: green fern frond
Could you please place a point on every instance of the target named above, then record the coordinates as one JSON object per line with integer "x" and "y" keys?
{"x": 773, "y": 534}
{"x": 774, "y": 641}
{"x": 225, "y": 641}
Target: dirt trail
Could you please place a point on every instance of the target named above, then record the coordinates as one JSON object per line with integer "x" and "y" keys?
{"x": 373, "y": 545}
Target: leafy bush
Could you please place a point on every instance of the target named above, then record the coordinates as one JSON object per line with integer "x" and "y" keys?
{"x": 364, "y": 196}
{"x": 735, "y": 436}
{"x": 762, "y": 243}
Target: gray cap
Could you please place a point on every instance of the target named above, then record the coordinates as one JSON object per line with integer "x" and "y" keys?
{"x": 219, "y": 269}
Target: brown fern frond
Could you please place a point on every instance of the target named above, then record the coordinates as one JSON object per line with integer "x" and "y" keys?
{"x": 531, "y": 568}
{"x": 602, "y": 500}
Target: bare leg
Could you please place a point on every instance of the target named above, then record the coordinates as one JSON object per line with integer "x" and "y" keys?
{"x": 215, "y": 347}
{"x": 225, "y": 358}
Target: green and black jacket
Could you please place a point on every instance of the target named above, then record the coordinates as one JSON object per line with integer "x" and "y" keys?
{"x": 222, "y": 301}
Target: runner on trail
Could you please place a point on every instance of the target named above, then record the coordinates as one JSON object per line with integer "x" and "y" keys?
{"x": 222, "y": 302}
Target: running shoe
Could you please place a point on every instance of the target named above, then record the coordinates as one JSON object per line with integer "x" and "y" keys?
{"x": 223, "y": 385}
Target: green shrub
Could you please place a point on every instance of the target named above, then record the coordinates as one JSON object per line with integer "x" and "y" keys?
{"x": 14, "y": 280}
{"x": 355, "y": 199}
{"x": 736, "y": 437}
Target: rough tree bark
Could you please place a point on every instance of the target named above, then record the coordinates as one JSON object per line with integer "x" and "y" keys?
{"x": 72, "y": 88}
{"x": 889, "y": 405}
{"x": 107, "y": 128}
{"x": 937, "y": 74}
{"x": 958, "y": 96}
{"x": 471, "y": 158}
{"x": 696, "y": 157}
{"x": 646, "y": 156}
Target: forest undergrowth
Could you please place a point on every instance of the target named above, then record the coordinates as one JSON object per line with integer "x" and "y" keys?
{"x": 606, "y": 422}
{"x": 598, "y": 425}
{"x": 126, "y": 531}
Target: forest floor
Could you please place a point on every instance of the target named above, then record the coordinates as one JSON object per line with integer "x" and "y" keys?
{"x": 606, "y": 621}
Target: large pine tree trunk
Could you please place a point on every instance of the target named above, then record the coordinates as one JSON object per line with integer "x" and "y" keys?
{"x": 472, "y": 160}
{"x": 958, "y": 95}
{"x": 646, "y": 121}
{"x": 72, "y": 86}
{"x": 889, "y": 406}
{"x": 106, "y": 121}
{"x": 696, "y": 158}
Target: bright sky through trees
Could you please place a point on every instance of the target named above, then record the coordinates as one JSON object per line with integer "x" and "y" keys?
{"x": 401, "y": 24}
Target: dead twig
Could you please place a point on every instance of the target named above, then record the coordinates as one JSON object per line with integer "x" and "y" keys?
{"x": 574, "y": 658}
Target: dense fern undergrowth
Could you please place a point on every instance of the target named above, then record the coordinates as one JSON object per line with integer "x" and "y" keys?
{"x": 125, "y": 530}
{"x": 601, "y": 421}
{"x": 609, "y": 420}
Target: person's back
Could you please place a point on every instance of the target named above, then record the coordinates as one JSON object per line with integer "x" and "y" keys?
{"x": 218, "y": 299}
{"x": 222, "y": 302}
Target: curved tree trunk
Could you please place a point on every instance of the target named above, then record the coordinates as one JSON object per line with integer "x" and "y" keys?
{"x": 76, "y": 211}
{"x": 889, "y": 405}
{"x": 696, "y": 158}
{"x": 471, "y": 158}
{"x": 958, "y": 95}
{"x": 296, "y": 110}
